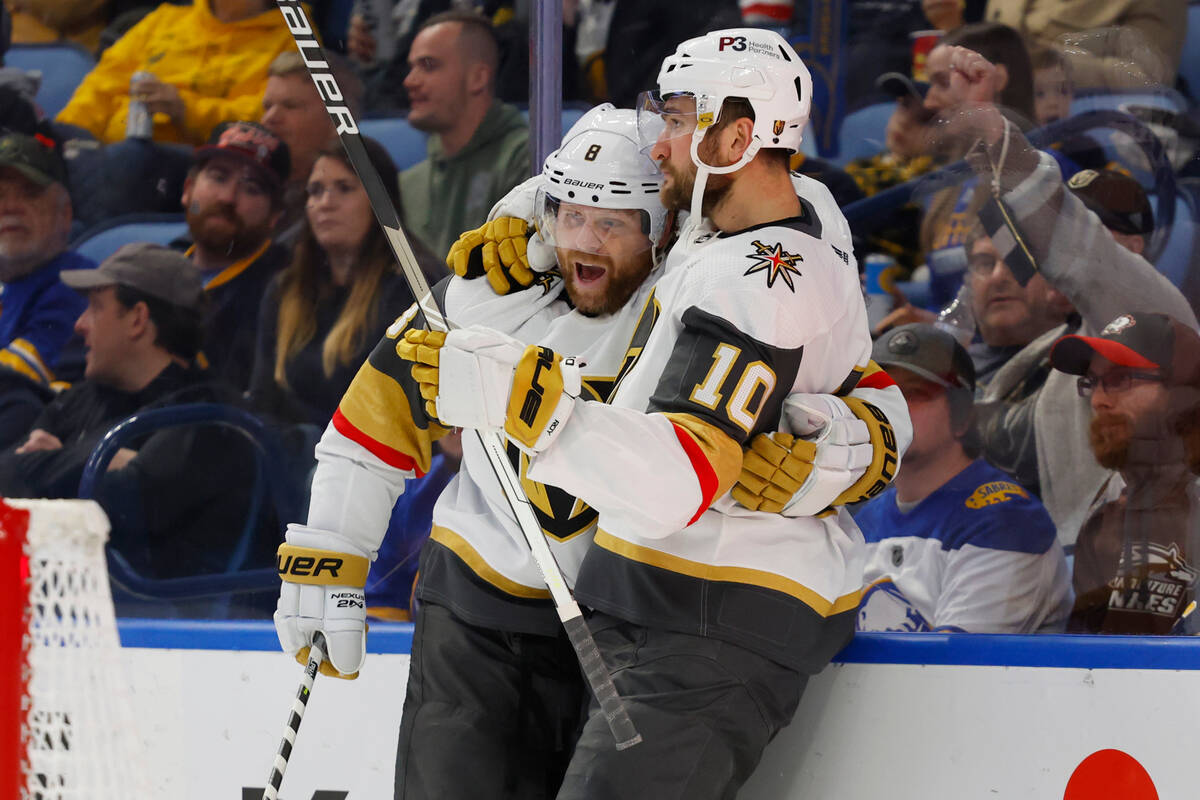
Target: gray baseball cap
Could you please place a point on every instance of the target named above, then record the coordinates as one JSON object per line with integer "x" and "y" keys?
{"x": 926, "y": 351}
{"x": 151, "y": 268}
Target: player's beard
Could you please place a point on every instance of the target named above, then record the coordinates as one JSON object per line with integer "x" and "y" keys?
{"x": 617, "y": 291}
{"x": 677, "y": 196}
{"x": 239, "y": 241}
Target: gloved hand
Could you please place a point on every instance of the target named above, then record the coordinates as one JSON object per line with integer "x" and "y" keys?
{"x": 323, "y": 576}
{"x": 480, "y": 378}
{"x": 833, "y": 455}
{"x": 497, "y": 250}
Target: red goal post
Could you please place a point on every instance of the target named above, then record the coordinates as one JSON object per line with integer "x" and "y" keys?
{"x": 67, "y": 726}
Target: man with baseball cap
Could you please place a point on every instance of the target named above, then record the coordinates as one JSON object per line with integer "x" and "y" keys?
{"x": 179, "y": 499}
{"x": 954, "y": 544}
{"x": 233, "y": 198}
{"x": 1136, "y": 552}
{"x": 36, "y": 309}
{"x": 1120, "y": 202}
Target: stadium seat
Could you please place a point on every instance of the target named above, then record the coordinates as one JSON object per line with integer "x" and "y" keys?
{"x": 62, "y": 66}
{"x": 1118, "y": 101}
{"x": 278, "y": 494}
{"x": 862, "y": 132}
{"x": 406, "y": 145}
{"x": 101, "y": 241}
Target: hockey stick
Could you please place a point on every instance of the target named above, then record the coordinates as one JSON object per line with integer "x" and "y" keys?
{"x": 316, "y": 655}
{"x": 590, "y": 660}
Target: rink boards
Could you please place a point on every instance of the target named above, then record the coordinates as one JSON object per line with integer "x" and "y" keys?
{"x": 897, "y": 716}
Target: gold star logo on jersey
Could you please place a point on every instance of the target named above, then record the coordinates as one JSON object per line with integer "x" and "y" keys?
{"x": 776, "y": 262}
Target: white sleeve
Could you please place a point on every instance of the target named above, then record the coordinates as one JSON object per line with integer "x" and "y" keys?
{"x": 626, "y": 464}
{"x": 353, "y": 491}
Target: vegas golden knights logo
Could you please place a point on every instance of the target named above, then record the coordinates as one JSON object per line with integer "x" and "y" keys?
{"x": 778, "y": 127}
{"x": 561, "y": 515}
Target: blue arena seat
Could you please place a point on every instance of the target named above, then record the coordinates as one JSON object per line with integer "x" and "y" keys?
{"x": 278, "y": 494}
{"x": 406, "y": 145}
{"x": 1169, "y": 99}
{"x": 101, "y": 241}
{"x": 62, "y": 65}
{"x": 862, "y": 132}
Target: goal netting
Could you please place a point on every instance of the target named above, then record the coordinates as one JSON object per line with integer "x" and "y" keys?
{"x": 69, "y": 731}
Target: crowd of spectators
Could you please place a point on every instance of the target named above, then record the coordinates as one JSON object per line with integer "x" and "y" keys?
{"x": 1034, "y": 451}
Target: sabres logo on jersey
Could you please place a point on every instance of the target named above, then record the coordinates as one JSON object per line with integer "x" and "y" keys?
{"x": 989, "y": 494}
{"x": 776, "y": 262}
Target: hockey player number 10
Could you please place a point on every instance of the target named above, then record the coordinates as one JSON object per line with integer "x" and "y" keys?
{"x": 755, "y": 374}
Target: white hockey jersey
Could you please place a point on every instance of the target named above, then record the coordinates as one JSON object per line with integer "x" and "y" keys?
{"x": 480, "y": 566}
{"x": 738, "y": 322}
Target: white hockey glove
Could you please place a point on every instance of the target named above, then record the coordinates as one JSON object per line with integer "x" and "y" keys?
{"x": 840, "y": 448}
{"x": 322, "y": 591}
{"x": 480, "y": 378}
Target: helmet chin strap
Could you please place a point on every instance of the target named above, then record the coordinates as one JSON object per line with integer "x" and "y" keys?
{"x": 703, "y": 170}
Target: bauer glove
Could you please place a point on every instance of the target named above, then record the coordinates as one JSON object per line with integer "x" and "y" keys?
{"x": 497, "y": 250}
{"x": 479, "y": 378}
{"x": 843, "y": 451}
{"x": 322, "y": 590}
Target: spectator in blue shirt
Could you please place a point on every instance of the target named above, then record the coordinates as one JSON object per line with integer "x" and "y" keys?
{"x": 953, "y": 544}
{"x": 37, "y": 311}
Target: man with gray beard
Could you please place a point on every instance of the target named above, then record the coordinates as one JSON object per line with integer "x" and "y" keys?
{"x": 37, "y": 312}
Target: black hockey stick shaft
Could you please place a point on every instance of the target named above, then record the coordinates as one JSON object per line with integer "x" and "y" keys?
{"x": 316, "y": 655}
{"x": 433, "y": 316}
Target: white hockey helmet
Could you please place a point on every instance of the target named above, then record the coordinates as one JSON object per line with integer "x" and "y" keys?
{"x": 601, "y": 164}
{"x": 753, "y": 63}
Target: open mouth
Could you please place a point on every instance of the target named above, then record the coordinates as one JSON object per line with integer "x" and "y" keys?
{"x": 588, "y": 273}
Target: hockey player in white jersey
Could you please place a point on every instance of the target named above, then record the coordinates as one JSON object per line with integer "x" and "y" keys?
{"x": 710, "y": 616}
{"x": 493, "y": 682}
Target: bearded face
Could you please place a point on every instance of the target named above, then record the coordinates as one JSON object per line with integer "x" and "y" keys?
{"x": 1110, "y": 436}
{"x": 679, "y": 177}
{"x": 229, "y": 209}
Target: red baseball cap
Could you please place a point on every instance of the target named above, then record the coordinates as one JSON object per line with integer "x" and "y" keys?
{"x": 1141, "y": 341}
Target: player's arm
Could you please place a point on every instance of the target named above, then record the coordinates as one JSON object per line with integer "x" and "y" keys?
{"x": 379, "y": 437}
{"x": 831, "y": 450}
{"x": 662, "y": 467}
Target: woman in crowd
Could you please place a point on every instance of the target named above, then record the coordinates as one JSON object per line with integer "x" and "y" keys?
{"x": 324, "y": 313}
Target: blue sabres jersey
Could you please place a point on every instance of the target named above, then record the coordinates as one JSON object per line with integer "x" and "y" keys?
{"x": 980, "y": 554}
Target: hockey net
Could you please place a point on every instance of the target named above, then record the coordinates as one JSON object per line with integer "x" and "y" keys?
{"x": 68, "y": 728}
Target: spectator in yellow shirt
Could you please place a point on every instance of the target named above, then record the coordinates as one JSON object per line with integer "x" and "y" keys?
{"x": 208, "y": 63}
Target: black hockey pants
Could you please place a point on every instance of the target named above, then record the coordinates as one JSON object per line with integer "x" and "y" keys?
{"x": 488, "y": 715}
{"x": 705, "y": 709}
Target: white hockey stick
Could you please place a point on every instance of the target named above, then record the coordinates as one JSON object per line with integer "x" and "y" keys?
{"x": 493, "y": 443}
{"x": 316, "y": 655}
